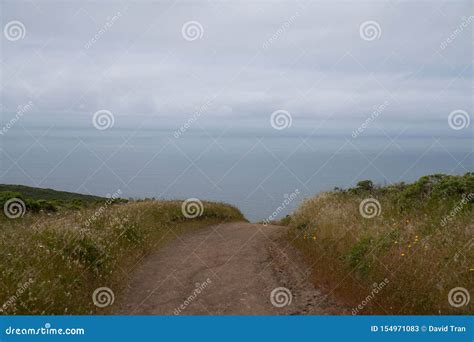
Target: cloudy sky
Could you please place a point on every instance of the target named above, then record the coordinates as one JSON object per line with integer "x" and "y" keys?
{"x": 240, "y": 60}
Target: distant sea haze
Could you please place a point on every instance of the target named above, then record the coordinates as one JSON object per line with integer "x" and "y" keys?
{"x": 260, "y": 173}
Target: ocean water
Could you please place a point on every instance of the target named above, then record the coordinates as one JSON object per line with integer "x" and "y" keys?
{"x": 255, "y": 169}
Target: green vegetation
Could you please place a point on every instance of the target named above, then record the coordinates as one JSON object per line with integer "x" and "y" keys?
{"x": 419, "y": 236}
{"x": 51, "y": 264}
{"x": 48, "y": 194}
{"x": 48, "y": 200}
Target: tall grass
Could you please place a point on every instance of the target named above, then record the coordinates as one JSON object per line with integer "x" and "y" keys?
{"x": 52, "y": 263}
{"x": 420, "y": 245}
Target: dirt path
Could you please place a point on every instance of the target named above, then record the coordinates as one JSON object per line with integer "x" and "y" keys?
{"x": 228, "y": 269}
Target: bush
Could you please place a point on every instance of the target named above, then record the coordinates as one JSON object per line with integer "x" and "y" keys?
{"x": 433, "y": 189}
{"x": 33, "y": 206}
{"x": 365, "y": 185}
{"x": 6, "y": 195}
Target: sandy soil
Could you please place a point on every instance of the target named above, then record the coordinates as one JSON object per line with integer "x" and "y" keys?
{"x": 228, "y": 269}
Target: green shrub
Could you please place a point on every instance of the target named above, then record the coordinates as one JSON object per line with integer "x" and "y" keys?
{"x": 365, "y": 185}
{"x": 357, "y": 253}
{"x": 6, "y": 195}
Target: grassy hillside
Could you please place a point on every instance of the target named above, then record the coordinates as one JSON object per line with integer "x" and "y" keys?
{"x": 52, "y": 264}
{"x": 48, "y": 194}
{"x": 399, "y": 249}
{"x": 48, "y": 200}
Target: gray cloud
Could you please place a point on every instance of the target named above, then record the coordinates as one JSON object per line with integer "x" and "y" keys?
{"x": 131, "y": 58}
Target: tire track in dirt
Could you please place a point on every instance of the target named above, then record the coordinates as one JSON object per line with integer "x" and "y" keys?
{"x": 227, "y": 269}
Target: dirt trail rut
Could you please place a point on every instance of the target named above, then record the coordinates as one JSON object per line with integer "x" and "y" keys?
{"x": 227, "y": 269}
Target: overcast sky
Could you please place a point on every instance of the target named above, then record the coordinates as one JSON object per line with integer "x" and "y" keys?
{"x": 249, "y": 59}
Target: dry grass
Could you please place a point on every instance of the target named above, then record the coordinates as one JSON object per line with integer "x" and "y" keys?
{"x": 421, "y": 258}
{"x": 66, "y": 258}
